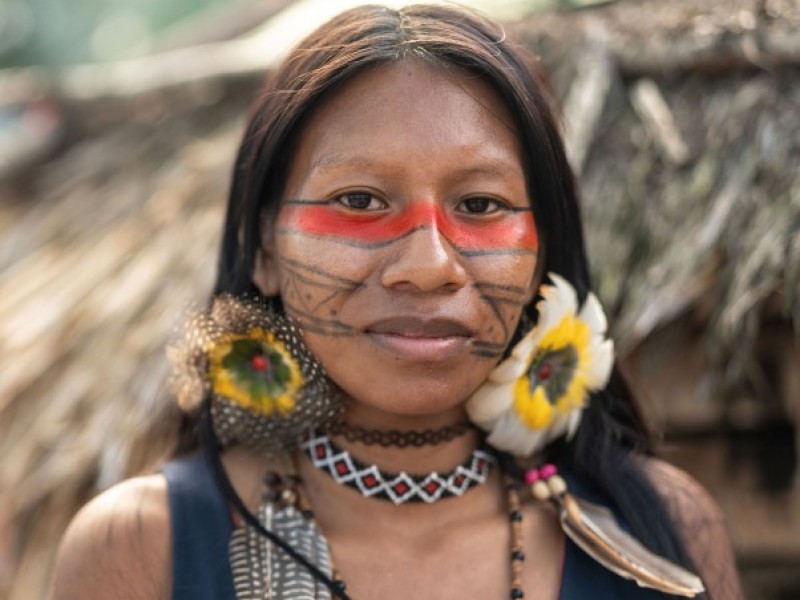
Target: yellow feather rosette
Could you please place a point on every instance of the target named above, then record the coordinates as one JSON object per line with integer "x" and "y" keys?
{"x": 255, "y": 371}
{"x": 538, "y": 394}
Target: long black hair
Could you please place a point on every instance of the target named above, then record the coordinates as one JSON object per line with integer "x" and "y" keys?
{"x": 612, "y": 430}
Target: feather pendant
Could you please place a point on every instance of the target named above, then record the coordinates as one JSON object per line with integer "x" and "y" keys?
{"x": 595, "y": 530}
{"x": 293, "y": 580}
{"x": 251, "y": 559}
{"x": 262, "y": 571}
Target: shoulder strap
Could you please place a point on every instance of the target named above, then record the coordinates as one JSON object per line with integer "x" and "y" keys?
{"x": 201, "y": 530}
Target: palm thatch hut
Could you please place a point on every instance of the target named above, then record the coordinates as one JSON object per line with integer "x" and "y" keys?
{"x": 682, "y": 120}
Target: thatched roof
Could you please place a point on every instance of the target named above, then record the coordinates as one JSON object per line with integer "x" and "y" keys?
{"x": 686, "y": 188}
{"x": 682, "y": 120}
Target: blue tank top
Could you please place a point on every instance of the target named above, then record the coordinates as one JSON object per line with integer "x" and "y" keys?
{"x": 202, "y": 526}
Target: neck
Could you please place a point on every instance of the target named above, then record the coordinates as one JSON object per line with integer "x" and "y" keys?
{"x": 413, "y": 459}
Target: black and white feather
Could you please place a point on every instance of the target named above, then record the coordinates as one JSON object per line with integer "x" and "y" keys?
{"x": 262, "y": 571}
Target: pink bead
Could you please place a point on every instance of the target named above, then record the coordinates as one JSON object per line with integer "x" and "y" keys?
{"x": 547, "y": 471}
{"x": 531, "y": 476}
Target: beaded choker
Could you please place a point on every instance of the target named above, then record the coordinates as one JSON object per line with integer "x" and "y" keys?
{"x": 401, "y": 487}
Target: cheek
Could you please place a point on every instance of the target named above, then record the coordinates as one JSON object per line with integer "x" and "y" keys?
{"x": 324, "y": 264}
{"x": 504, "y": 284}
{"x": 311, "y": 253}
{"x": 513, "y": 270}
{"x": 317, "y": 278}
{"x": 515, "y": 234}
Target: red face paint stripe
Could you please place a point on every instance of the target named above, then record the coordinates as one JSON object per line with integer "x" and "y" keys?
{"x": 515, "y": 230}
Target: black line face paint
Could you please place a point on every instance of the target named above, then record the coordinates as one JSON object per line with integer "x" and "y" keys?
{"x": 311, "y": 295}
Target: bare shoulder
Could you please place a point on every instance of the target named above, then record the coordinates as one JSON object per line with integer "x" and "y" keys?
{"x": 688, "y": 501}
{"x": 702, "y": 525}
{"x": 118, "y": 545}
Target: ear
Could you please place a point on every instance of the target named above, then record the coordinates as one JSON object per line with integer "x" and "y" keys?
{"x": 266, "y": 274}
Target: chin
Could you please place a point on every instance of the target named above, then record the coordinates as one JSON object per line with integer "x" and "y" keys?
{"x": 428, "y": 399}
{"x": 395, "y": 385}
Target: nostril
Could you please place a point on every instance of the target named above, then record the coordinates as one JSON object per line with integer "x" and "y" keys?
{"x": 426, "y": 261}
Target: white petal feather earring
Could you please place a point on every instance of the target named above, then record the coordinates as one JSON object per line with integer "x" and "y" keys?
{"x": 539, "y": 392}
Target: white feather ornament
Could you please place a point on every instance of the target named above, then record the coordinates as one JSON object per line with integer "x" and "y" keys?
{"x": 539, "y": 392}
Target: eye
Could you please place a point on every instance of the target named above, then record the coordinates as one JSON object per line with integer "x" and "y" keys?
{"x": 363, "y": 201}
{"x": 480, "y": 205}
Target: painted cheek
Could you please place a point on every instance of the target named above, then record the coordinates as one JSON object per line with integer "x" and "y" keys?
{"x": 326, "y": 221}
{"x": 516, "y": 230}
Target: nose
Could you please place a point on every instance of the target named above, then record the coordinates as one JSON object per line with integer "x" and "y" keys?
{"x": 425, "y": 261}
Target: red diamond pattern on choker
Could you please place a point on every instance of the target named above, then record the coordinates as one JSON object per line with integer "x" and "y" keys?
{"x": 396, "y": 487}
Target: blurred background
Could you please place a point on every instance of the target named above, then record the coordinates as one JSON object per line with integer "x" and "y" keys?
{"x": 119, "y": 120}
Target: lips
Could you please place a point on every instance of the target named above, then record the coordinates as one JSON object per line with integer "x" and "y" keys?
{"x": 413, "y": 338}
{"x": 416, "y": 327}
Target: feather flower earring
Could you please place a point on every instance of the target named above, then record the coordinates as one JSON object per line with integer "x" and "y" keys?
{"x": 266, "y": 388}
{"x": 539, "y": 392}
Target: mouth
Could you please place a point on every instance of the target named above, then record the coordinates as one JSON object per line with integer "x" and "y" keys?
{"x": 412, "y": 338}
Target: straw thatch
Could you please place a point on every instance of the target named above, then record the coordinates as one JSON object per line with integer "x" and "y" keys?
{"x": 682, "y": 120}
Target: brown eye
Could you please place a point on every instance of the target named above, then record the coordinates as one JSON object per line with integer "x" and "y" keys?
{"x": 360, "y": 201}
{"x": 480, "y": 206}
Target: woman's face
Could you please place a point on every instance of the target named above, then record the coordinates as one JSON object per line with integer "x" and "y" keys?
{"x": 404, "y": 244}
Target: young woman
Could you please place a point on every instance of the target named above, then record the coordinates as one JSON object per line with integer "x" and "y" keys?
{"x": 403, "y": 387}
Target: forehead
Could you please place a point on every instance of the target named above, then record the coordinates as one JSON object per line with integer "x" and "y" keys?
{"x": 409, "y": 108}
